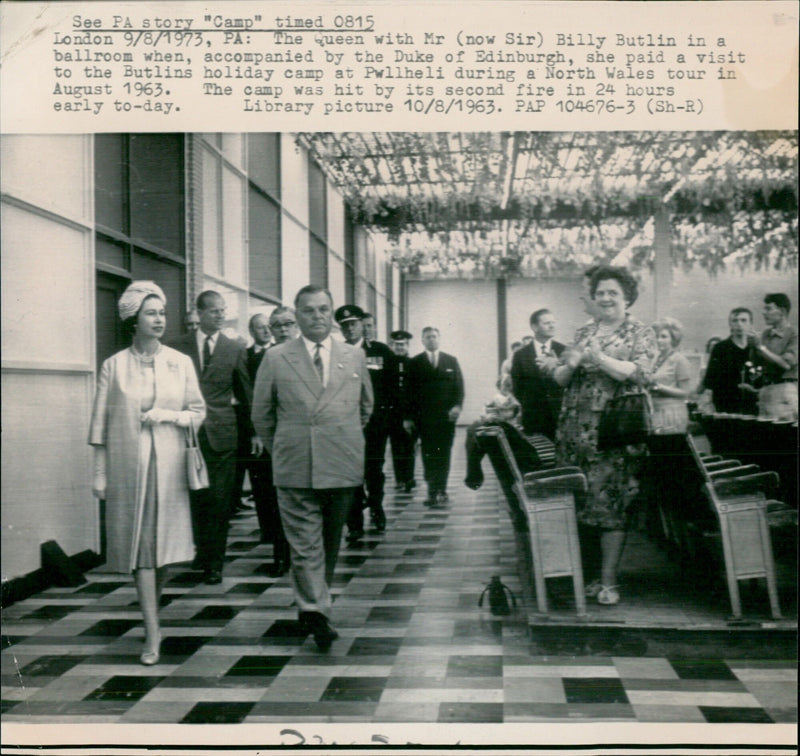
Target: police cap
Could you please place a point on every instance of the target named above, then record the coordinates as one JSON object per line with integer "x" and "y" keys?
{"x": 348, "y": 312}
{"x": 400, "y": 336}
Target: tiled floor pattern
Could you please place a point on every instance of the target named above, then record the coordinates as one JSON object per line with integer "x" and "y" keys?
{"x": 413, "y": 646}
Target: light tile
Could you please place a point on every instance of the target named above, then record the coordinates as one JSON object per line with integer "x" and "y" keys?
{"x": 690, "y": 698}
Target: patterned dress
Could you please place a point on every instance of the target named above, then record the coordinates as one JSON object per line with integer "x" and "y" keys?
{"x": 612, "y": 476}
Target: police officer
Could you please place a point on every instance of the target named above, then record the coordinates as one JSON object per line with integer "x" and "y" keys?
{"x": 403, "y": 443}
{"x": 381, "y": 365}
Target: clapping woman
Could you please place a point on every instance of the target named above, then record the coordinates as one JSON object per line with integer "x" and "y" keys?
{"x": 610, "y": 352}
{"x": 146, "y": 396}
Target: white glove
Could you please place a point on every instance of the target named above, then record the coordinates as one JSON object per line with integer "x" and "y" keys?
{"x": 99, "y": 478}
{"x": 183, "y": 419}
{"x": 158, "y": 415}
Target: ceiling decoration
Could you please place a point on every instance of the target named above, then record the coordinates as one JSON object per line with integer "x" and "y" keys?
{"x": 537, "y": 203}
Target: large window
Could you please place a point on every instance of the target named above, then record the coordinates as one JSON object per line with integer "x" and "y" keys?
{"x": 139, "y": 223}
{"x": 264, "y": 213}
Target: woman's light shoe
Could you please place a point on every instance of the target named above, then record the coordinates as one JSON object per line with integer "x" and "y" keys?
{"x": 149, "y": 658}
{"x": 593, "y": 588}
{"x": 608, "y": 595}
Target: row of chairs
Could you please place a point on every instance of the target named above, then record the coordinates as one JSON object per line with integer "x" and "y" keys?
{"x": 707, "y": 492}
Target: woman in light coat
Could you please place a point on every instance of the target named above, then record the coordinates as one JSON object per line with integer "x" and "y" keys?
{"x": 146, "y": 396}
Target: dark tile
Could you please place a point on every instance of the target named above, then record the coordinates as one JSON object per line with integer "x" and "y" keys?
{"x": 186, "y": 580}
{"x": 401, "y": 589}
{"x": 431, "y": 526}
{"x": 165, "y": 600}
{"x": 285, "y": 633}
{"x": 242, "y": 545}
{"x": 351, "y": 560}
{"x": 743, "y": 714}
{"x": 375, "y": 647}
{"x": 223, "y": 712}
{"x": 592, "y": 690}
{"x": 425, "y": 538}
{"x": 182, "y": 645}
{"x": 419, "y": 553}
{"x": 216, "y": 612}
{"x": 467, "y": 601}
{"x": 475, "y": 666}
{"x": 12, "y": 640}
{"x": 52, "y": 612}
{"x": 50, "y": 666}
{"x": 410, "y": 569}
{"x": 399, "y": 614}
{"x": 702, "y": 669}
{"x": 6, "y": 705}
{"x": 354, "y": 689}
{"x": 261, "y": 666}
{"x": 124, "y": 688}
{"x": 111, "y": 628}
{"x": 101, "y": 589}
{"x": 470, "y": 712}
{"x": 247, "y": 589}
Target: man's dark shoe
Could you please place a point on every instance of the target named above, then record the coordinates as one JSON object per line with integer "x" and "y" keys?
{"x": 378, "y": 518}
{"x": 442, "y": 498}
{"x": 199, "y": 564}
{"x": 474, "y": 481}
{"x": 430, "y": 501}
{"x": 278, "y": 568}
{"x": 354, "y": 536}
{"x": 317, "y": 624}
{"x": 411, "y": 484}
{"x": 212, "y": 577}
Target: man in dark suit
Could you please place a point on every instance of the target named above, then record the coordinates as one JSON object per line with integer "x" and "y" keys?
{"x": 313, "y": 398}
{"x": 221, "y": 365}
{"x": 381, "y": 365}
{"x": 531, "y": 377}
{"x": 435, "y": 396}
{"x": 403, "y": 443}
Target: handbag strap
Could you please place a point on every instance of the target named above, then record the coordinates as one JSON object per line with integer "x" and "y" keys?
{"x": 191, "y": 436}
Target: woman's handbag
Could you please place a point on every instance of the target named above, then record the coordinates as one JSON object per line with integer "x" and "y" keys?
{"x": 626, "y": 419}
{"x": 196, "y": 470}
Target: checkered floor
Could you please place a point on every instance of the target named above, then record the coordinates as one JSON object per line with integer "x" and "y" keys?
{"x": 413, "y": 647}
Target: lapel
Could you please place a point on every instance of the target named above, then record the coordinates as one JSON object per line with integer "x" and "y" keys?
{"x": 296, "y": 354}
{"x": 340, "y": 368}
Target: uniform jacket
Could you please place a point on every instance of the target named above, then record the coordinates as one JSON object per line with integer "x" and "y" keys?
{"x": 537, "y": 392}
{"x": 224, "y": 378}
{"x": 116, "y": 424}
{"x": 433, "y": 391}
{"x": 313, "y": 434}
{"x": 382, "y": 366}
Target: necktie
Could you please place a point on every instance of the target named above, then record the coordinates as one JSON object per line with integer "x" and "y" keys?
{"x": 545, "y": 351}
{"x": 318, "y": 364}
{"x": 432, "y": 358}
{"x": 206, "y": 352}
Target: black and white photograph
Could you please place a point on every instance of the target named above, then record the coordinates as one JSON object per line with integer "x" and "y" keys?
{"x": 470, "y": 427}
{"x": 574, "y": 495}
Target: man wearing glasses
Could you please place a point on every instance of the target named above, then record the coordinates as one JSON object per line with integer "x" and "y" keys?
{"x": 282, "y": 325}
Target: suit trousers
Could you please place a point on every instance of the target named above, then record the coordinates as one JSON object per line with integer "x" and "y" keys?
{"x": 376, "y": 434}
{"x": 211, "y": 507}
{"x": 436, "y": 438}
{"x": 265, "y": 496}
{"x": 403, "y": 444}
{"x": 313, "y": 520}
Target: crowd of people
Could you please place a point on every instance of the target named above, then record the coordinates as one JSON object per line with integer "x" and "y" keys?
{"x": 307, "y": 417}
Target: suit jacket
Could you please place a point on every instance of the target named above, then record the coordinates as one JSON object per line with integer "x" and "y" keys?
{"x": 433, "y": 391}
{"x": 538, "y": 393}
{"x": 224, "y": 378}
{"x": 254, "y": 362}
{"x": 314, "y": 434}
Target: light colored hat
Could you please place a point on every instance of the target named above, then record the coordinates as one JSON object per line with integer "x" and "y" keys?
{"x": 132, "y": 298}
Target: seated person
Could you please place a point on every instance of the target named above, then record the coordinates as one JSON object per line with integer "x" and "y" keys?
{"x": 502, "y": 408}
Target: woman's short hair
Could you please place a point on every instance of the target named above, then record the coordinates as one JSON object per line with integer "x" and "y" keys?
{"x": 630, "y": 289}
{"x": 671, "y": 325}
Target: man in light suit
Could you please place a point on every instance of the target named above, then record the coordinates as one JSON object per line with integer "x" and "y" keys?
{"x": 435, "y": 396}
{"x": 531, "y": 377}
{"x": 222, "y": 369}
{"x": 313, "y": 398}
